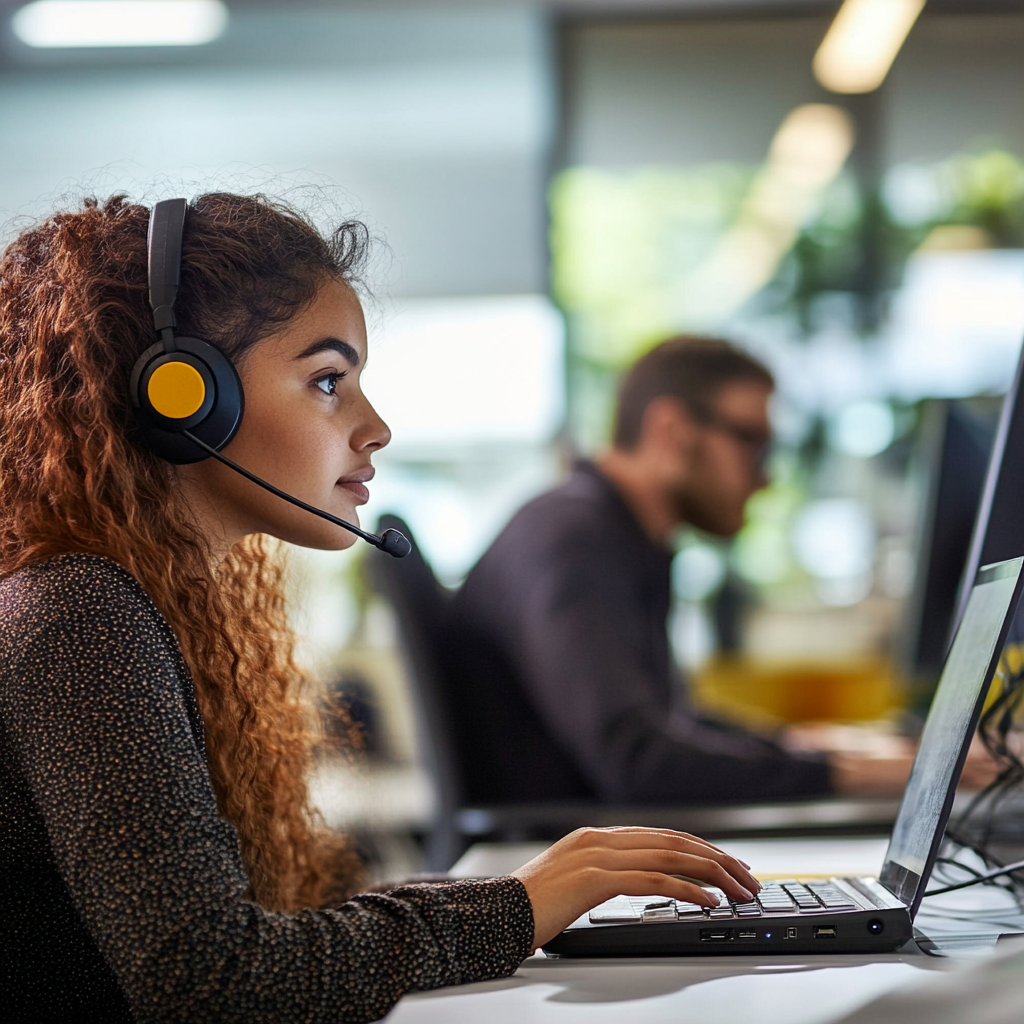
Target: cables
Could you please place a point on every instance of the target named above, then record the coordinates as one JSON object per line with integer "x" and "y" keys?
{"x": 987, "y": 876}
{"x": 978, "y": 828}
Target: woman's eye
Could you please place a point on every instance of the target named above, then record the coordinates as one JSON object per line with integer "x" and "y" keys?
{"x": 328, "y": 383}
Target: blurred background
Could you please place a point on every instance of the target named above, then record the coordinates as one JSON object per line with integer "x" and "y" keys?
{"x": 558, "y": 186}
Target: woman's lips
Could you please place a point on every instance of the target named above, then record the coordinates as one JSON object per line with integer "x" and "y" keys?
{"x": 358, "y": 490}
{"x": 355, "y": 483}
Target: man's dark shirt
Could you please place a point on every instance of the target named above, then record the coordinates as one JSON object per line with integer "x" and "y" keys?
{"x": 564, "y": 675}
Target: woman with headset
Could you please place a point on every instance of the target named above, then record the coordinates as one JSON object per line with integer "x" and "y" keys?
{"x": 161, "y": 859}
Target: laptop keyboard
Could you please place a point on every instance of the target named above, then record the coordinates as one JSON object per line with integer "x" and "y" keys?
{"x": 787, "y": 897}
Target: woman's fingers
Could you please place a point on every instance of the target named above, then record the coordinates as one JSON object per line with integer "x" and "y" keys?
{"x": 699, "y": 842}
{"x": 606, "y": 835}
{"x": 633, "y": 829}
{"x": 671, "y": 862}
{"x": 632, "y": 841}
{"x": 647, "y": 883}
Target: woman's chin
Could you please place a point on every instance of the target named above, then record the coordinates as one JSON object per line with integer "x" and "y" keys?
{"x": 329, "y": 539}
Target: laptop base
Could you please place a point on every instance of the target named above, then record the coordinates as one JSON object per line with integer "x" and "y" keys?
{"x": 875, "y": 931}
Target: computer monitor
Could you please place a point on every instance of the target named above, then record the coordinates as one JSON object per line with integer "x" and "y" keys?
{"x": 999, "y": 525}
{"x": 956, "y": 440}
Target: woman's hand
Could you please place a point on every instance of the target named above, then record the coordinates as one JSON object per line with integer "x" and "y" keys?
{"x": 592, "y": 865}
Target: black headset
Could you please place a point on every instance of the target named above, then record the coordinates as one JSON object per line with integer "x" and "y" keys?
{"x": 180, "y": 385}
{"x": 186, "y": 395}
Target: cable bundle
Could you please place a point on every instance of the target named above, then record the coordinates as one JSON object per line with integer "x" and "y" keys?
{"x": 986, "y": 818}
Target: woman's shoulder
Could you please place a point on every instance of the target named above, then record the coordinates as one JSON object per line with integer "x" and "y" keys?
{"x": 74, "y": 585}
{"x": 81, "y": 623}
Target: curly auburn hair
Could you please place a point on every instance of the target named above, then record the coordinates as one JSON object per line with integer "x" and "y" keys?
{"x": 75, "y": 478}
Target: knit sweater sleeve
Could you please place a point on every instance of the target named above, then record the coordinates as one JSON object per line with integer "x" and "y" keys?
{"x": 93, "y": 707}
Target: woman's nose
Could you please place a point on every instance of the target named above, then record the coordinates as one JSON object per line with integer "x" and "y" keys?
{"x": 373, "y": 432}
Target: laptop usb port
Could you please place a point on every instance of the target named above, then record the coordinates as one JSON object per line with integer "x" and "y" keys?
{"x": 748, "y": 935}
{"x": 716, "y": 935}
{"x": 825, "y": 932}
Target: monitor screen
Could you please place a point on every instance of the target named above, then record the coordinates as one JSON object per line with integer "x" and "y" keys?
{"x": 998, "y": 533}
{"x": 949, "y": 729}
{"x": 953, "y": 453}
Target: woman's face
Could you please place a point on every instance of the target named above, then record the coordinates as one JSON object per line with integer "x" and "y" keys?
{"x": 307, "y": 429}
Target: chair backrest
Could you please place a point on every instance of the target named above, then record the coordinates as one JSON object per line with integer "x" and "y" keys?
{"x": 420, "y": 604}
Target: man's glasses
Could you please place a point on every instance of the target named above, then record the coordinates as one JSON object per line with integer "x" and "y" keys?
{"x": 757, "y": 443}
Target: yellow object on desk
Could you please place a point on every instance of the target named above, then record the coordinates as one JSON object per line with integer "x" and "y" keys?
{"x": 763, "y": 694}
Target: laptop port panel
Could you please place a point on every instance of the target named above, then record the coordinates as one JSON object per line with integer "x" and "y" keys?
{"x": 825, "y": 931}
{"x": 732, "y": 937}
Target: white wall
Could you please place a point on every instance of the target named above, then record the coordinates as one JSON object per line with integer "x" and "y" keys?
{"x": 435, "y": 118}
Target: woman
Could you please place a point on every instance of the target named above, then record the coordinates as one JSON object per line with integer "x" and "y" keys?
{"x": 160, "y": 859}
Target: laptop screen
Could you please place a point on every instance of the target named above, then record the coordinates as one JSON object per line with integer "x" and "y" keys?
{"x": 970, "y": 665}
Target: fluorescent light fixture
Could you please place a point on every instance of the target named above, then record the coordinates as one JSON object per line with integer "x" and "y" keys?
{"x": 100, "y": 23}
{"x": 807, "y": 152}
{"x": 862, "y": 42}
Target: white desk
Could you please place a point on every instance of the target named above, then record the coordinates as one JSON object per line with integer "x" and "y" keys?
{"x": 708, "y": 990}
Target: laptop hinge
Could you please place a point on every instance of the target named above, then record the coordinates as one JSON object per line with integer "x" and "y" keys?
{"x": 873, "y": 890}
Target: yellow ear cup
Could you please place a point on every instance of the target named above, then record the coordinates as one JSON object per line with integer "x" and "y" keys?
{"x": 176, "y": 390}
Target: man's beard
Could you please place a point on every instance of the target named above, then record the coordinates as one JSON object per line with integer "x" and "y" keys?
{"x": 702, "y": 510}
{"x": 692, "y": 511}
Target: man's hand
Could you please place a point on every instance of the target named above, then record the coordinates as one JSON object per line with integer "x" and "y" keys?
{"x": 863, "y": 760}
{"x": 884, "y": 772}
{"x": 592, "y": 865}
{"x": 869, "y": 775}
{"x": 979, "y": 769}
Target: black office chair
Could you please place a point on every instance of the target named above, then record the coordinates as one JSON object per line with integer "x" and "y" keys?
{"x": 451, "y": 731}
{"x": 419, "y": 602}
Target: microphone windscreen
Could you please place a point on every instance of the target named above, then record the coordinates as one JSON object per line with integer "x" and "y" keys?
{"x": 395, "y": 543}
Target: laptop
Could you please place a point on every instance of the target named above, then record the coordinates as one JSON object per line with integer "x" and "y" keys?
{"x": 840, "y": 915}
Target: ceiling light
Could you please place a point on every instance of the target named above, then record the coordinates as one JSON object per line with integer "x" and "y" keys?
{"x": 862, "y": 43}
{"x": 811, "y": 145}
{"x": 98, "y": 23}
{"x": 807, "y": 152}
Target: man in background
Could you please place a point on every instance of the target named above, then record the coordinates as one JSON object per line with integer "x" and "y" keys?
{"x": 561, "y": 660}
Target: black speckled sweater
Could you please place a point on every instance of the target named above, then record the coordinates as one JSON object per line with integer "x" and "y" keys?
{"x": 122, "y": 891}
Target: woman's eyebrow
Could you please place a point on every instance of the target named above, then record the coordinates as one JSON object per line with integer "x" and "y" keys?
{"x": 343, "y": 348}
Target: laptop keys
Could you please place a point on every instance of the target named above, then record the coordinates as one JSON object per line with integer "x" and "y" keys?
{"x": 689, "y": 911}
{"x": 775, "y": 898}
{"x": 615, "y": 910}
{"x": 747, "y": 910}
{"x": 832, "y": 897}
{"x": 661, "y": 914}
{"x": 689, "y": 908}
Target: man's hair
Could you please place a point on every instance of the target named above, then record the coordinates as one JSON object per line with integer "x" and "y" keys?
{"x": 691, "y": 369}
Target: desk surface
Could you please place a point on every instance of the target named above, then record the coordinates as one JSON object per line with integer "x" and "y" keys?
{"x": 712, "y": 990}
